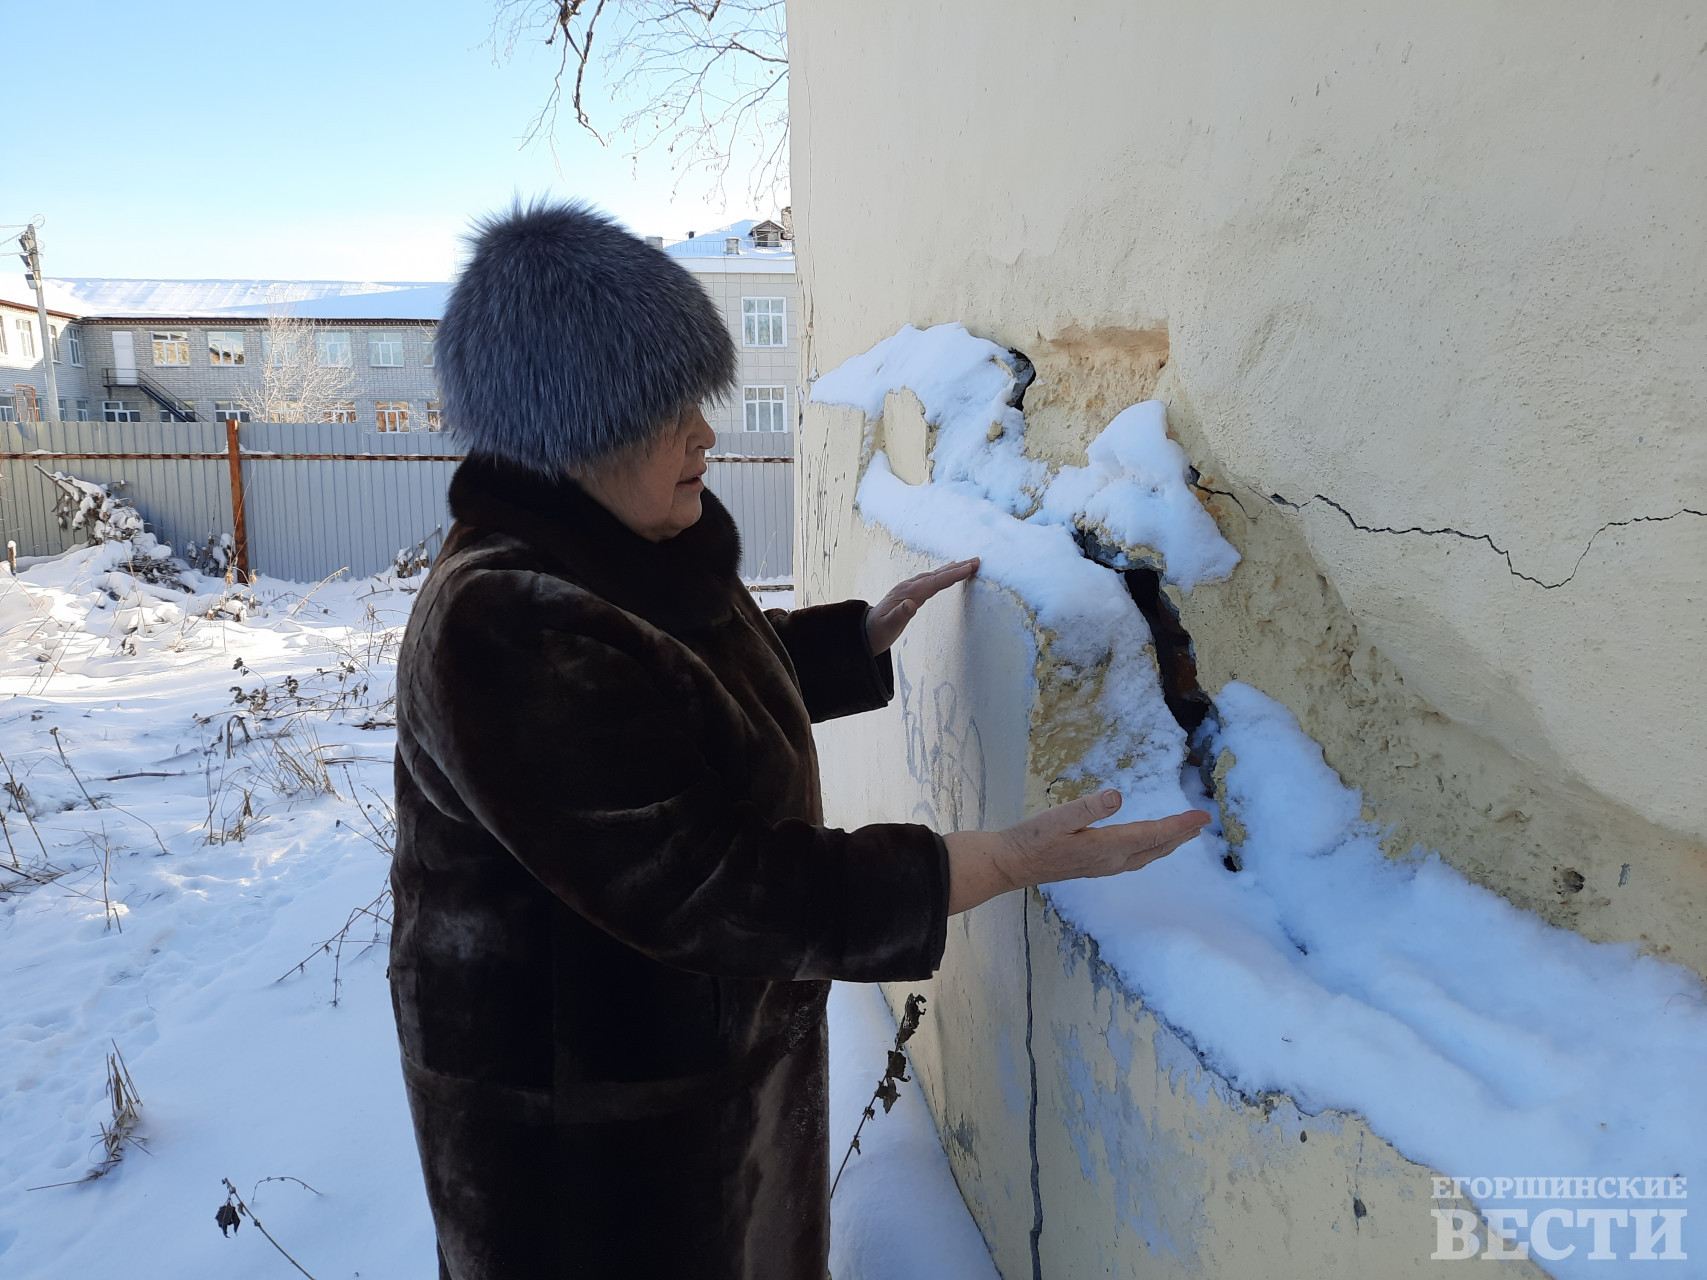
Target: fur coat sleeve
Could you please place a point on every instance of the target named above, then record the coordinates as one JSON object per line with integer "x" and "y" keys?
{"x": 838, "y": 675}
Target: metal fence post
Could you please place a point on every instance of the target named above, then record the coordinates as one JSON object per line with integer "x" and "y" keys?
{"x": 240, "y": 530}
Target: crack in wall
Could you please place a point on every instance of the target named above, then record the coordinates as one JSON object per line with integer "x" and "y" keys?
{"x": 1511, "y": 567}
{"x": 1192, "y": 478}
{"x": 1031, "y": 1059}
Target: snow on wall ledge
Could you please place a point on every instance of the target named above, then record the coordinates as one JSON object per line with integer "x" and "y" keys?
{"x": 1472, "y": 1036}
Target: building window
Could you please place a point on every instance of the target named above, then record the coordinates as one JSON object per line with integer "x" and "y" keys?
{"x": 435, "y": 419}
{"x": 278, "y": 353}
{"x": 286, "y": 411}
{"x": 119, "y": 411}
{"x": 26, "y": 339}
{"x": 166, "y": 415}
{"x": 392, "y": 415}
{"x": 228, "y": 411}
{"x": 82, "y": 411}
{"x": 24, "y": 402}
{"x": 332, "y": 348}
{"x": 171, "y": 346}
{"x": 224, "y": 347}
{"x": 3, "y": 341}
{"x": 74, "y": 337}
{"x": 7, "y": 412}
{"x": 427, "y": 350}
{"x": 340, "y": 411}
{"x": 762, "y": 322}
{"x": 767, "y": 408}
{"x": 385, "y": 349}
{"x": 53, "y": 345}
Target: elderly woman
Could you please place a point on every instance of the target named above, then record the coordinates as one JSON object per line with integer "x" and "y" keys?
{"x": 618, "y": 908}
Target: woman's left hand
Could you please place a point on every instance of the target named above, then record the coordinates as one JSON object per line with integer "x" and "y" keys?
{"x": 888, "y": 618}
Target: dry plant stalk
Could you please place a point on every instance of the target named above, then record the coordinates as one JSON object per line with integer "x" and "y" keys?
{"x": 298, "y": 764}
{"x": 20, "y": 800}
{"x": 93, "y": 804}
{"x": 295, "y": 608}
{"x": 229, "y": 1217}
{"x": 113, "y": 917}
{"x": 127, "y": 1116}
{"x": 66, "y": 760}
{"x": 377, "y": 911}
{"x": 886, "y": 1092}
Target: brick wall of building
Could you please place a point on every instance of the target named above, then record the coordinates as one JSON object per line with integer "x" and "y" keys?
{"x": 17, "y": 368}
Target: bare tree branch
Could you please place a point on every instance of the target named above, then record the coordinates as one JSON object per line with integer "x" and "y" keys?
{"x": 295, "y": 386}
{"x": 708, "y": 80}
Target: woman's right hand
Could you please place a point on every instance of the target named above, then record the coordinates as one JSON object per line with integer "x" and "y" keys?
{"x": 1060, "y": 844}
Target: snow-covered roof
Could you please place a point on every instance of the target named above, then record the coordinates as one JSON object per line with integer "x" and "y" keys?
{"x": 315, "y": 299}
{"x": 119, "y": 297}
{"x": 15, "y": 291}
{"x": 708, "y": 251}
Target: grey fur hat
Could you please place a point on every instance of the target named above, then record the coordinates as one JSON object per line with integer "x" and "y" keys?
{"x": 567, "y": 339}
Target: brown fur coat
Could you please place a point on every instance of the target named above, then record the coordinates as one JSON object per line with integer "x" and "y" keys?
{"x": 616, "y": 908}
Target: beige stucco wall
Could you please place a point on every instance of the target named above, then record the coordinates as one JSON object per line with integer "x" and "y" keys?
{"x": 1442, "y": 266}
{"x": 1435, "y": 268}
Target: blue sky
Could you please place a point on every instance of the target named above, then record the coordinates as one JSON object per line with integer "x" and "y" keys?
{"x": 293, "y": 140}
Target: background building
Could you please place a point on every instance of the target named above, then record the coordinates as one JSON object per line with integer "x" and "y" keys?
{"x": 23, "y": 356}
{"x": 323, "y": 378}
{"x": 201, "y": 350}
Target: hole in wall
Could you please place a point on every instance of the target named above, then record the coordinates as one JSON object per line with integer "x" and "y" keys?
{"x": 1176, "y": 661}
{"x": 1025, "y": 373}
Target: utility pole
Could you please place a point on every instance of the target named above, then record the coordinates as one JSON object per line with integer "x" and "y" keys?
{"x": 31, "y": 254}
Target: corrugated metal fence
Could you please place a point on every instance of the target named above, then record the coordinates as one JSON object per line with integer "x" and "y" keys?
{"x": 318, "y": 497}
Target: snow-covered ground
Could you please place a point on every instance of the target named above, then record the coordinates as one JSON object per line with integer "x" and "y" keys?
{"x": 1478, "y": 1039}
{"x": 221, "y": 811}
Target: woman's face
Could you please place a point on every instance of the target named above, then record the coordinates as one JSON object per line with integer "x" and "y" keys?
{"x": 655, "y": 490}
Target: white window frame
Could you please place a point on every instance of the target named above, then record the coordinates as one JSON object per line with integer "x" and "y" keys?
{"x": 387, "y": 343}
{"x": 171, "y": 342}
{"x": 391, "y": 415}
{"x": 119, "y": 411}
{"x": 766, "y": 325}
{"x": 279, "y": 355}
{"x": 3, "y": 347}
{"x": 7, "y": 413}
{"x": 428, "y": 337}
{"x": 26, "y": 337}
{"x": 336, "y": 341}
{"x": 435, "y": 416}
{"x": 342, "y": 411}
{"x": 762, "y": 411}
{"x": 74, "y": 338}
{"x": 82, "y": 411}
{"x": 230, "y": 411}
{"x": 53, "y": 346}
{"x": 226, "y": 343}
